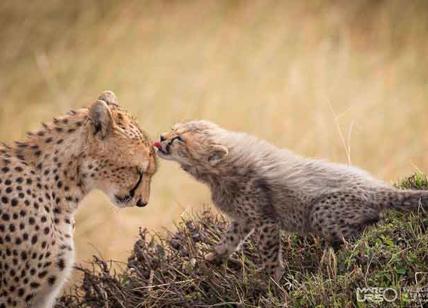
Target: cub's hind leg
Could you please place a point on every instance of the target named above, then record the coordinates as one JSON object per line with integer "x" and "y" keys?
{"x": 268, "y": 239}
{"x": 342, "y": 216}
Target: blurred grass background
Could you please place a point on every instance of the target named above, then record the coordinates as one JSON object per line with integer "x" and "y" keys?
{"x": 340, "y": 80}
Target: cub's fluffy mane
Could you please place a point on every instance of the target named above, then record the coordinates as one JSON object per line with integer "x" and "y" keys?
{"x": 283, "y": 168}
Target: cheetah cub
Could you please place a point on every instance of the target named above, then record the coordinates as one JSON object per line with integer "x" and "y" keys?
{"x": 264, "y": 189}
{"x": 42, "y": 182}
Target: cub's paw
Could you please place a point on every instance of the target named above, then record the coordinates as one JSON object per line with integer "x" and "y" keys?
{"x": 215, "y": 258}
{"x": 272, "y": 272}
{"x": 210, "y": 257}
{"x": 279, "y": 272}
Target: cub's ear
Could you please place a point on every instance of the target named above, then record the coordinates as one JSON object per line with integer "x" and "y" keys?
{"x": 217, "y": 154}
{"x": 101, "y": 118}
{"x": 109, "y": 97}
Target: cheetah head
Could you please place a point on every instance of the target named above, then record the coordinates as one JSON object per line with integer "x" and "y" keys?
{"x": 120, "y": 158}
{"x": 193, "y": 144}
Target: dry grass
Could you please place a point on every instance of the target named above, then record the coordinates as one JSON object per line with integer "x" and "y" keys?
{"x": 170, "y": 271}
{"x": 341, "y": 80}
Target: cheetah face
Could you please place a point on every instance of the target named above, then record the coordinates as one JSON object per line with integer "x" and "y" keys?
{"x": 121, "y": 160}
{"x": 191, "y": 144}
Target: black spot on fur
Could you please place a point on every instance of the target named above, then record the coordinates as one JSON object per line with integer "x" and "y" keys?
{"x": 61, "y": 264}
{"x": 51, "y": 280}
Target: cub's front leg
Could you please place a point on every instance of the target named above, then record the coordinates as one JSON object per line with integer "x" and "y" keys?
{"x": 237, "y": 232}
{"x": 268, "y": 239}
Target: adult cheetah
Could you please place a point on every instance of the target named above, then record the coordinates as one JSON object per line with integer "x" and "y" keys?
{"x": 265, "y": 189}
{"x": 42, "y": 181}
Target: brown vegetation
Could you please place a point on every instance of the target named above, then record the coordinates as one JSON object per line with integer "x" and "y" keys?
{"x": 170, "y": 271}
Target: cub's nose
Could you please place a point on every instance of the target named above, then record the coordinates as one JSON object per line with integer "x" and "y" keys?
{"x": 141, "y": 203}
{"x": 162, "y": 138}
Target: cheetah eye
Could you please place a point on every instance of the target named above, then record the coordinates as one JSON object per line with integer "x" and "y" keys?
{"x": 177, "y": 138}
{"x": 131, "y": 193}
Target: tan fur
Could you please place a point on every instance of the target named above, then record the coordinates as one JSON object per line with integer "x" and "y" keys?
{"x": 42, "y": 181}
{"x": 264, "y": 189}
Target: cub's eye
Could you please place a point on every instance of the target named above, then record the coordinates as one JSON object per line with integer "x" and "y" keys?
{"x": 177, "y": 138}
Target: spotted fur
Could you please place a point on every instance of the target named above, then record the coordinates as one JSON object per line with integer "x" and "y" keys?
{"x": 264, "y": 189}
{"x": 42, "y": 181}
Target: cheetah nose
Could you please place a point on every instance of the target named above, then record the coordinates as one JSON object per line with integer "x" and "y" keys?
{"x": 162, "y": 138}
{"x": 141, "y": 203}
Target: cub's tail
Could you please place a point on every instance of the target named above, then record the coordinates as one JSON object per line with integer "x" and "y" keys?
{"x": 403, "y": 200}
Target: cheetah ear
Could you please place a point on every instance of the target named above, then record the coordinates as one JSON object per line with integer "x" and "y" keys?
{"x": 101, "y": 118}
{"x": 217, "y": 154}
{"x": 109, "y": 97}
